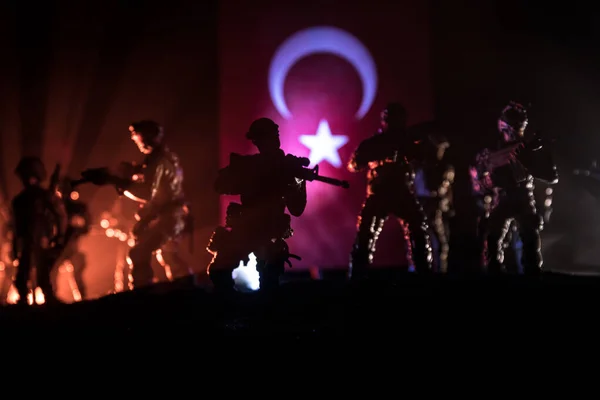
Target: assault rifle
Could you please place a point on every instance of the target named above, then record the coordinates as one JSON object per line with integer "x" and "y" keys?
{"x": 312, "y": 174}
{"x": 300, "y": 171}
{"x": 292, "y": 165}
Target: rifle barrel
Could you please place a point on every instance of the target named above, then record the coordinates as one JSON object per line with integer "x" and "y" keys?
{"x": 332, "y": 181}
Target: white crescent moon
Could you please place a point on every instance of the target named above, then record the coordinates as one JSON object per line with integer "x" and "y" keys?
{"x": 322, "y": 39}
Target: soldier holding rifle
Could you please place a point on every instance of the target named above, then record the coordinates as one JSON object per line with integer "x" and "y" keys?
{"x": 268, "y": 183}
{"x": 505, "y": 178}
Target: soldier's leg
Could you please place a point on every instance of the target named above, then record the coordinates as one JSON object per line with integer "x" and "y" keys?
{"x": 442, "y": 230}
{"x": 414, "y": 222}
{"x": 226, "y": 248}
{"x": 369, "y": 226}
{"x": 79, "y": 262}
{"x": 430, "y": 208}
{"x": 22, "y": 276}
{"x": 513, "y": 250}
{"x": 44, "y": 267}
{"x": 271, "y": 264}
{"x": 141, "y": 255}
{"x": 179, "y": 267}
{"x": 529, "y": 230}
{"x": 497, "y": 227}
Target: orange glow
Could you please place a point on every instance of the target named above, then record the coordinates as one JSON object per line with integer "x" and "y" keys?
{"x": 74, "y": 195}
{"x": 39, "y": 296}
{"x": 110, "y": 232}
{"x": 104, "y": 223}
{"x": 119, "y": 277}
{"x": 78, "y": 221}
{"x": 13, "y": 296}
{"x": 131, "y": 242}
{"x": 67, "y": 267}
{"x": 133, "y": 197}
{"x": 164, "y": 264}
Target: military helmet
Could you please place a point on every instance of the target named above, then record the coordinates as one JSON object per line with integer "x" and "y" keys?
{"x": 262, "y": 127}
{"x": 150, "y": 131}
{"x": 31, "y": 167}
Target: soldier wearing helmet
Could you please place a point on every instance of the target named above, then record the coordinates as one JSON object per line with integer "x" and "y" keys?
{"x": 158, "y": 187}
{"x": 258, "y": 223}
{"x": 40, "y": 223}
{"x": 387, "y": 157}
{"x": 505, "y": 177}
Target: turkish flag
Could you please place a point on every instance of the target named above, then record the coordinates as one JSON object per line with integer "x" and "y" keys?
{"x": 323, "y": 71}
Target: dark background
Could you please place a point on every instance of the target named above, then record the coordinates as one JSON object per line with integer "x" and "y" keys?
{"x": 74, "y": 75}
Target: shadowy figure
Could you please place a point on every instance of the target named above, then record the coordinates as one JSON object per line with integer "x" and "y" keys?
{"x": 387, "y": 156}
{"x": 505, "y": 178}
{"x": 79, "y": 225}
{"x": 268, "y": 183}
{"x": 7, "y": 269}
{"x": 157, "y": 184}
{"x": 40, "y": 223}
{"x": 434, "y": 176}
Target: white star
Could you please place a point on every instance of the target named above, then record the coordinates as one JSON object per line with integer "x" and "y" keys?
{"x": 323, "y": 145}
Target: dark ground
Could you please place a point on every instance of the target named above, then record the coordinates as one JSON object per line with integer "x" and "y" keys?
{"x": 383, "y": 306}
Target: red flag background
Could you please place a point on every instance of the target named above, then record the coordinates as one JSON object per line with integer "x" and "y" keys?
{"x": 323, "y": 87}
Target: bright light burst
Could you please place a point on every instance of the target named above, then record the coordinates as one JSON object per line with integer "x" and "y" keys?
{"x": 324, "y": 146}
{"x": 246, "y": 277}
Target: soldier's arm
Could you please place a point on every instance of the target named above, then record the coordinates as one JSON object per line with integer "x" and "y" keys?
{"x": 57, "y": 207}
{"x": 538, "y": 159}
{"x": 141, "y": 191}
{"x": 360, "y": 158}
{"x": 159, "y": 192}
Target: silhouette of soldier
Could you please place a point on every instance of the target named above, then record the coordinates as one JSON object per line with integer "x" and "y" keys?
{"x": 267, "y": 184}
{"x": 434, "y": 177}
{"x": 387, "y": 157}
{"x": 507, "y": 176}
{"x": 79, "y": 225}
{"x": 157, "y": 184}
{"x": 40, "y": 223}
